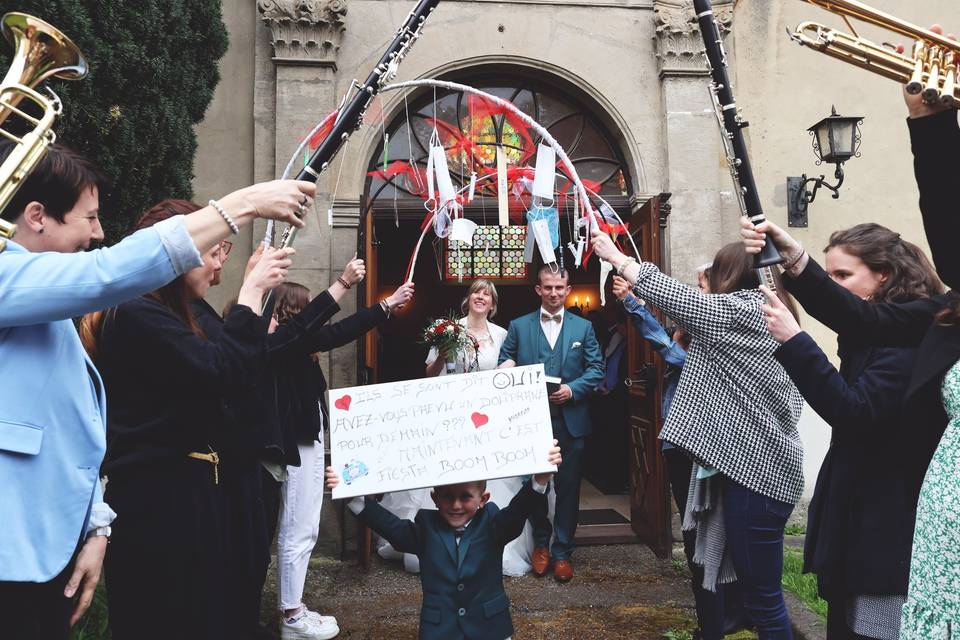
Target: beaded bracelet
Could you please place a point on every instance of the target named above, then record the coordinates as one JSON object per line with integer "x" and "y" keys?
{"x": 346, "y": 285}
{"x": 234, "y": 229}
{"x": 623, "y": 265}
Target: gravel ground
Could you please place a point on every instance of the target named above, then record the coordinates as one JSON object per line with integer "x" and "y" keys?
{"x": 620, "y": 591}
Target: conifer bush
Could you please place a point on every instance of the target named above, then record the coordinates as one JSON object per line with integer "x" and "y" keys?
{"x": 153, "y": 69}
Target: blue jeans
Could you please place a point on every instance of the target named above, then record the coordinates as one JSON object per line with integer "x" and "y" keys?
{"x": 720, "y": 612}
{"x": 754, "y": 525}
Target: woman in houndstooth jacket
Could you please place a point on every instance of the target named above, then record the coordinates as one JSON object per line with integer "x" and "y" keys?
{"x": 735, "y": 413}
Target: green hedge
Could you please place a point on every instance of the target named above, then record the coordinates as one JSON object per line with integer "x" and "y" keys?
{"x": 153, "y": 69}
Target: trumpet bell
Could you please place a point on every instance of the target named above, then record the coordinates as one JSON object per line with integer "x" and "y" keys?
{"x": 41, "y": 51}
{"x": 46, "y": 51}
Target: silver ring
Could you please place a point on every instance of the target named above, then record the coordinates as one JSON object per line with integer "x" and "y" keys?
{"x": 300, "y": 210}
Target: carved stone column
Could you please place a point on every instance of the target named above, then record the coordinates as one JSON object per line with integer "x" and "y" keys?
{"x": 702, "y": 191}
{"x": 679, "y": 43}
{"x": 305, "y": 38}
{"x": 305, "y": 31}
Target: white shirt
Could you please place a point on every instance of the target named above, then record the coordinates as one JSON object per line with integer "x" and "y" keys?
{"x": 551, "y": 328}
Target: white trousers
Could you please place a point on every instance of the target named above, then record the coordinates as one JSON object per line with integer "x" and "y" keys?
{"x": 301, "y": 498}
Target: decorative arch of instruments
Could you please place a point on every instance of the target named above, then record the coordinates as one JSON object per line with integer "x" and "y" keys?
{"x": 41, "y": 51}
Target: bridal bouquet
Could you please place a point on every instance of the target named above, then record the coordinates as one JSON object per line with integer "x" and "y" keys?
{"x": 450, "y": 339}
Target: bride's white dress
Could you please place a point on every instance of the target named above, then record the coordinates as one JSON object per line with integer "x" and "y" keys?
{"x": 405, "y": 504}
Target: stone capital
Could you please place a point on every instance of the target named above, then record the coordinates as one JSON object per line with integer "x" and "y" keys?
{"x": 679, "y": 43}
{"x": 305, "y": 32}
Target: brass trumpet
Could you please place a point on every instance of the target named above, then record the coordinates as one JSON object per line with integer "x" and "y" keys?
{"x": 40, "y": 51}
{"x": 931, "y": 69}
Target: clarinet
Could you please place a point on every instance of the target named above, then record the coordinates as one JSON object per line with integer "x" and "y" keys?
{"x": 351, "y": 115}
{"x": 731, "y": 131}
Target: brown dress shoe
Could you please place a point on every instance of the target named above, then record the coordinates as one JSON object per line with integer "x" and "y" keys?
{"x": 541, "y": 561}
{"x": 563, "y": 571}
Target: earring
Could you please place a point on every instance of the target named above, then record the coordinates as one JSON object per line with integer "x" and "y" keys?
{"x": 41, "y": 230}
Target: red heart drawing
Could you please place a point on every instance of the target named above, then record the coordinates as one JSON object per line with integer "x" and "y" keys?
{"x": 479, "y": 419}
{"x": 343, "y": 403}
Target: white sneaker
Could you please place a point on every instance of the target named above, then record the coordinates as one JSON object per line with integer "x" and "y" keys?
{"x": 319, "y": 619}
{"x": 303, "y": 627}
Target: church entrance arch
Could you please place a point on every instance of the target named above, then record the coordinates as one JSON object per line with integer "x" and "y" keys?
{"x": 625, "y": 494}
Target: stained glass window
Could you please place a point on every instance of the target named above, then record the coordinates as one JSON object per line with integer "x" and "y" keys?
{"x": 497, "y": 254}
{"x": 471, "y": 129}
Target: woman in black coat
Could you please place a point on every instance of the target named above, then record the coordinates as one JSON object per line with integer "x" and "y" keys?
{"x": 860, "y": 526}
{"x": 931, "y": 326}
{"x": 166, "y": 568}
{"x": 251, "y": 420}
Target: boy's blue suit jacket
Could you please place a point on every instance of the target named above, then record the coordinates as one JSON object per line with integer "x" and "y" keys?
{"x": 463, "y": 596}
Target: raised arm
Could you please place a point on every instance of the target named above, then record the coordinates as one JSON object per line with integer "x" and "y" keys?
{"x": 653, "y": 332}
{"x": 508, "y": 522}
{"x": 934, "y": 141}
{"x": 403, "y": 535}
{"x": 48, "y": 286}
{"x": 704, "y": 316}
{"x": 45, "y": 287}
{"x": 888, "y": 324}
{"x": 857, "y": 407}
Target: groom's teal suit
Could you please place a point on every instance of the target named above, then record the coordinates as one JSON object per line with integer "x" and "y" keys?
{"x": 576, "y": 359}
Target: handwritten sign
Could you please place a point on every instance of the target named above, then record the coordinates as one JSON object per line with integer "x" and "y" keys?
{"x": 437, "y": 431}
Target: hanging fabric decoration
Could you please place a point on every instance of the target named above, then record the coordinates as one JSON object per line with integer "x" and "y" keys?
{"x": 605, "y": 269}
{"x": 447, "y": 195}
{"x": 503, "y": 203}
{"x": 443, "y": 197}
{"x": 552, "y": 219}
{"x": 473, "y": 186}
{"x": 610, "y": 218}
{"x": 545, "y": 179}
{"x": 578, "y": 240}
{"x": 541, "y": 232}
{"x": 462, "y": 230}
{"x": 431, "y": 192}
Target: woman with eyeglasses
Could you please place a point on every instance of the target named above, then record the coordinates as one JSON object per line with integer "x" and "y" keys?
{"x": 169, "y": 561}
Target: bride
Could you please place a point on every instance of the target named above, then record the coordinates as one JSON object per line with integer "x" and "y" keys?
{"x": 479, "y": 305}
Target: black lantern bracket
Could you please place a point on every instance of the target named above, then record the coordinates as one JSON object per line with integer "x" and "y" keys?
{"x": 836, "y": 139}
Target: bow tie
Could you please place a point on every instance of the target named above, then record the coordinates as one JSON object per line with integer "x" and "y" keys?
{"x": 458, "y": 533}
{"x": 556, "y": 317}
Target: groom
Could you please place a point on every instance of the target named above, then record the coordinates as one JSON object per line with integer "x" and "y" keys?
{"x": 568, "y": 349}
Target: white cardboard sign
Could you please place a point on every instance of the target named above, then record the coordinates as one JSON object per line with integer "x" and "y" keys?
{"x": 436, "y": 431}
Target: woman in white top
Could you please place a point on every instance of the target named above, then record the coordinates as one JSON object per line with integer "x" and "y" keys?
{"x": 479, "y": 305}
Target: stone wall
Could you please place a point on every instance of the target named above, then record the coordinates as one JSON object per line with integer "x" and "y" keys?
{"x": 638, "y": 61}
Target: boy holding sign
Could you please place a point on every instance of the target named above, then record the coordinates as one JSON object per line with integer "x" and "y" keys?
{"x": 459, "y": 546}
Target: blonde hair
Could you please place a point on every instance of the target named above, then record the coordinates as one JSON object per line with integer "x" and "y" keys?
{"x": 477, "y": 285}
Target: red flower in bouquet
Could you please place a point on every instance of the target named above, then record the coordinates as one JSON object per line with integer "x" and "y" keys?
{"x": 450, "y": 338}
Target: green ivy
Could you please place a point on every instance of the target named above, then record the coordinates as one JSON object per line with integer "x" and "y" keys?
{"x": 153, "y": 69}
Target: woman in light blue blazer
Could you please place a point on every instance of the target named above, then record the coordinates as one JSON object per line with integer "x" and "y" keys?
{"x": 52, "y": 406}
